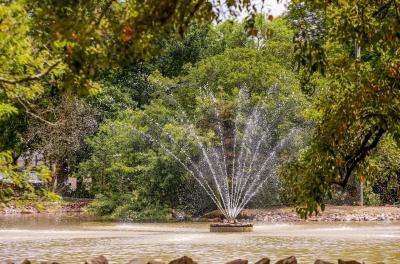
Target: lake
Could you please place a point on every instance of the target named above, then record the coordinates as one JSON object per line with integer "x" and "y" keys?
{"x": 72, "y": 239}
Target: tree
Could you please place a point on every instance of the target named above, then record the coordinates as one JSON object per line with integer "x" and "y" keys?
{"x": 84, "y": 36}
{"x": 356, "y": 46}
{"x": 61, "y": 142}
{"x": 19, "y": 65}
{"x": 123, "y": 164}
{"x": 67, "y": 43}
{"x": 134, "y": 176}
{"x": 176, "y": 51}
{"x": 383, "y": 168}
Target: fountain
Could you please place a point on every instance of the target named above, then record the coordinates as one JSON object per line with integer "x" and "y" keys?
{"x": 241, "y": 157}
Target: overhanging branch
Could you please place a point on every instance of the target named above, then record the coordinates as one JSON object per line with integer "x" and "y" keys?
{"x": 29, "y": 112}
{"x": 361, "y": 153}
{"x": 32, "y": 77}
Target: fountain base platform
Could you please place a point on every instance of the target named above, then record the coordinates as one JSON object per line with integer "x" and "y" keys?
{"x": 231, "y": 227}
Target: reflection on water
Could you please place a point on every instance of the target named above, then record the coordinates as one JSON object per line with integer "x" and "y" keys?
{"x": 74, "y": 239}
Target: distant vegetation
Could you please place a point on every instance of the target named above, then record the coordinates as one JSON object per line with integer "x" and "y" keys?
{"x": 78, "y": 90}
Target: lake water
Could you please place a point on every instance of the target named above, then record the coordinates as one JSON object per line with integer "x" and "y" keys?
{"x": 73, "y": 240}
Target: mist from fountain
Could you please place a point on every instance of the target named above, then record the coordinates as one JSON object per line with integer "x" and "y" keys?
{"x": 230, "y": 170}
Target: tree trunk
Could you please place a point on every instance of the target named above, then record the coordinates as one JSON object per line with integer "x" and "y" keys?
{"x": 54, "y": 175}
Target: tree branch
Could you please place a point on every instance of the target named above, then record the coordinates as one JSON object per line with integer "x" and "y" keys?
{"x": 33, "y": 77}
{"x": 361, "y": 153}
{"x": 106, "y": 7}
{"x": 27, "y": 110}
{"x": 382, "y": 11}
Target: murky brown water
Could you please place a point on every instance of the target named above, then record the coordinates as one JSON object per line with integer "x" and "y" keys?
{"x": 72, "y": 240}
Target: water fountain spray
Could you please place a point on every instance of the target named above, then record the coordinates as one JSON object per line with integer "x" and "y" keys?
{"x": 230, "y": 170}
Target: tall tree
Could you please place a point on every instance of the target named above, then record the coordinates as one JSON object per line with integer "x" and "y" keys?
{"x": 355, "y": 44}
{"x": 67, "y": 42}
{"x": 61, "y": 143}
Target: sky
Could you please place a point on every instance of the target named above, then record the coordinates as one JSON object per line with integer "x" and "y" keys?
{"x": 270, "y": 7}
{"x": 275, "y": 8}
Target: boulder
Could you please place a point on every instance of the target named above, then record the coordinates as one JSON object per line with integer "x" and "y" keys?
{"x": 263, "y": 261}
{"x": 97, "y": 260}
{"x": 49, "y": 262}
{"x": 318, "y": 261}
{"x": 26, "y": 261}
{"x": 137, "y": 261}
{"x": 289, "y": 260}
{"x": 183, "y": 260}
{"x": 156, "y": 261}
{"x": 238, "y": 261}
{"x": 10, "y": 262}
{"x": 340, "y": 261}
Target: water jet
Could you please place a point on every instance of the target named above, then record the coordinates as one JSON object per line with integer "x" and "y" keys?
{"x": 241, "y": 158}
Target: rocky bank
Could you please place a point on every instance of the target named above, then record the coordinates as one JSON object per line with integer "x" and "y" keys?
{"x": 187, "y": 260}
{"x": 50, "y": 207}
{"x": 268, "y": 215}
{"x": 331, "y": 214}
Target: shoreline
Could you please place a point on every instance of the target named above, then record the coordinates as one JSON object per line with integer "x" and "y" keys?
{"x": 332, "y": 213}
{"x": 282, "y": 214}
{"x": 50, "y": 208}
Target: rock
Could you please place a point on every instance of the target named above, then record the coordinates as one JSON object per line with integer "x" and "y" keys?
{"x": 26, "y": 261}
{"x": 238, "y": 261}
{"x": 137, "y": 261}
{"x": 10, "y": 262}
{"x": 318, "y": 261}
{"x": 340, "y": 261}
{"x": 49, "y": 262}
{"x": 289, "y": 260}
{"x": 97, "y": 260}
{"x": 156, "y": 262}
{"x": 263, "y": 261}
{"x": 183, "y": 260}
{"x": 179, "y": 215}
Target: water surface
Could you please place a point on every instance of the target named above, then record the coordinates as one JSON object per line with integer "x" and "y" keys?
{"x": 74, "y": 239}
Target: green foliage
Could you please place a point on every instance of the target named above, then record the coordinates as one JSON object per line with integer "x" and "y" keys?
{"x": 68, "y": 42}
{"x": 122, "y": 163}
{"x": 231, "y": 34}
{"x": 61, "y": 142}
{"x": 358, "y": 102}
{"x": 383, "y": 166}
{"x": 176, "y": 51}
{"x": 124, "y": 88}
{"x": 47, "y": 46}
{"x": 371, "y": 198}
{"x": 278, "y": 41}
{"x": 22, "y": 64}
{"x": 90, "y": 35}
{"x": 126, "y": 208}
{"x": 16, "y": 187}
{"x": 257, "y": 70}
{"x": 132, "y": 48}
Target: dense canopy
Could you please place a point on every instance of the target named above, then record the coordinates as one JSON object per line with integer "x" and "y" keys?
{"x": 79, "y": 79}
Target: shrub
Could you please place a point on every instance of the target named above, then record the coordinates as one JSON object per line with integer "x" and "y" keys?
{"x": 126, "y": 207}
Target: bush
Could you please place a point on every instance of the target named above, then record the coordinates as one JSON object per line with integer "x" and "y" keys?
{"x": 126, "y": 207}
{"x": 129, "y": 213}
{"x": 371, "y": 198}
